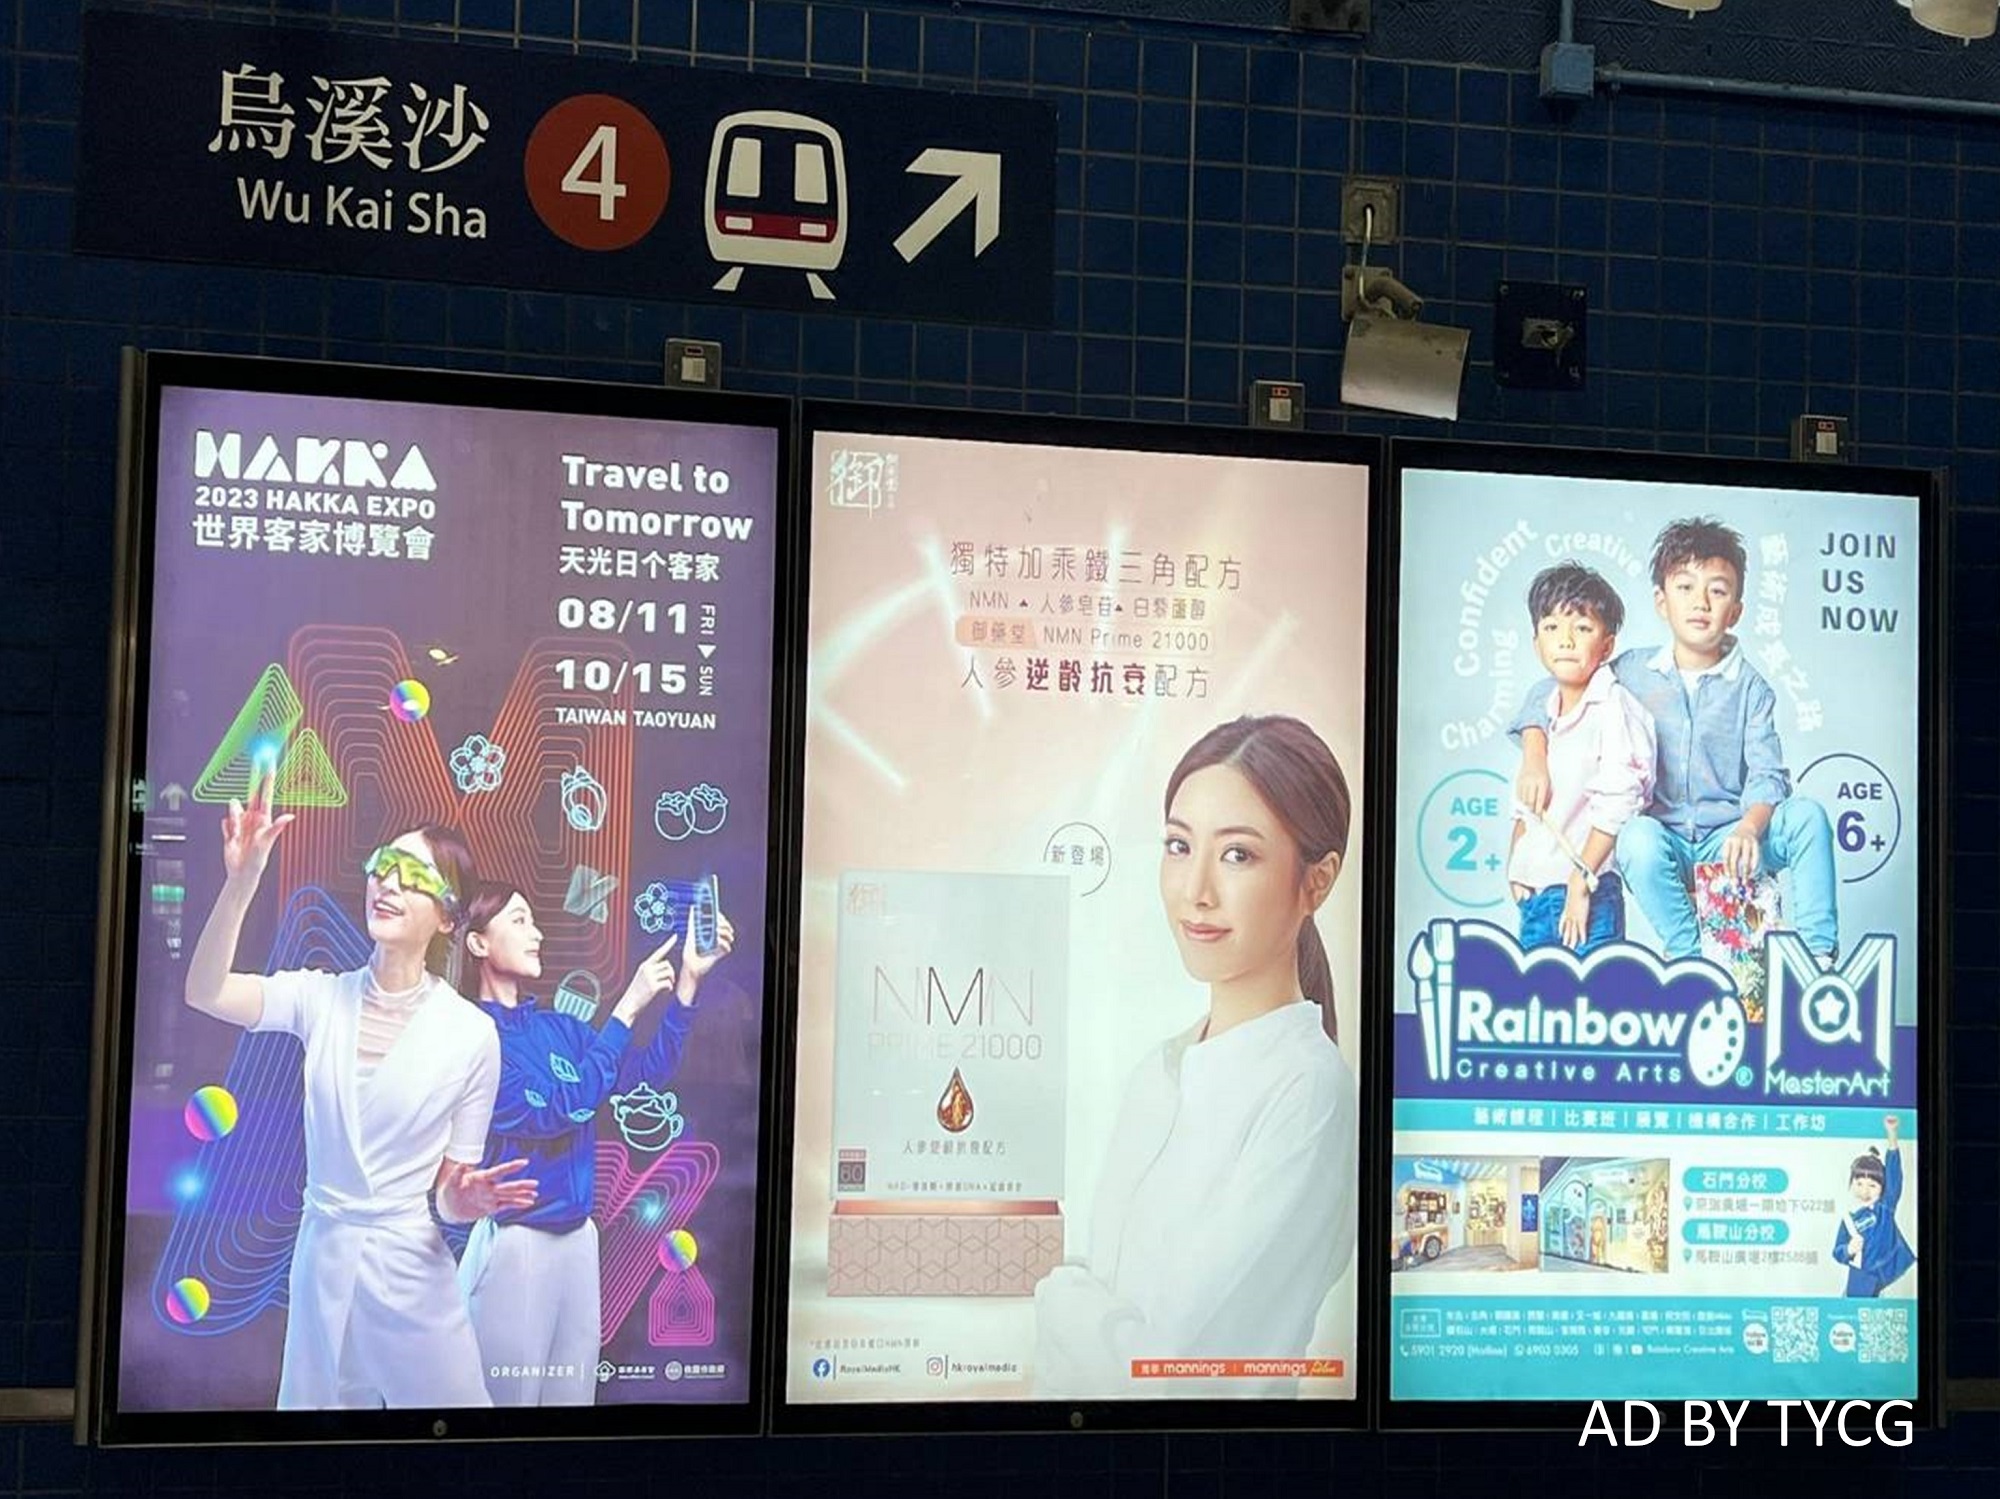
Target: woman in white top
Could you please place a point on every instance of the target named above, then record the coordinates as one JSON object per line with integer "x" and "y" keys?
{"x": 400, "y": 1073}
{"x": 1225, "y": 1209}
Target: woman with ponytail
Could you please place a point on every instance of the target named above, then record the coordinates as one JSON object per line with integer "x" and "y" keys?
{"x": 1225, "y": 1209}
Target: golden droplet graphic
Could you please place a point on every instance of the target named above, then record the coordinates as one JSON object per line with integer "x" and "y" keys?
{"x": 954, "y": 1110}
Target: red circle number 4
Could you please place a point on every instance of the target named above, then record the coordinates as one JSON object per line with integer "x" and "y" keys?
{"x": 597, "y": 172}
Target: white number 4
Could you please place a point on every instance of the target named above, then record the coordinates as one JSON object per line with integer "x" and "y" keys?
{"x": 602, "y": 150}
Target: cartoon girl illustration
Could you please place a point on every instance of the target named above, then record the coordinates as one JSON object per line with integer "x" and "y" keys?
{"x": 1245, "y": 1123}
{"x": 400, "y": 1078}
{"x": 1868, "y": 1242}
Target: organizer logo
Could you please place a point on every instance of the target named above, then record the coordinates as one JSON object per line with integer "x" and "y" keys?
{"x": 1489, "y": 1012}
{"x": 859, "y": 480}
{"x": 1830, "y": 1033}
{"x": 338, "y": 462}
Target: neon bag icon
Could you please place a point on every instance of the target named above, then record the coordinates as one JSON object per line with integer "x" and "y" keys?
{"x": 579, "y": 995}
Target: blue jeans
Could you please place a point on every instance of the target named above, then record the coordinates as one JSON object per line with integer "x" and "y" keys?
{"x": 1659, "y": 865}
{"x": 1541, "y": 916}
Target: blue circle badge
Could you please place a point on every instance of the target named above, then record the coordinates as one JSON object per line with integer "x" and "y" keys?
{"x": 1463, "y": 833}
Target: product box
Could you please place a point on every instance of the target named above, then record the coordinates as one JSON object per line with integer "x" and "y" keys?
{"x": 934, "y": 1254}
{"x": 951, "y": 1066}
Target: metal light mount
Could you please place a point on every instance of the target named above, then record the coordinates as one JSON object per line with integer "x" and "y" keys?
{"x": 1393, "y": 362}
{"x": 1539, "y": 335}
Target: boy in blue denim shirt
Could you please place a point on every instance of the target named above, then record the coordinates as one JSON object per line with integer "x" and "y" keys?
{"x": 1722, "y": 794}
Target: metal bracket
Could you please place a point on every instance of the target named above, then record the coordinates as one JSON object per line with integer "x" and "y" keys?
{"x": 1346, "y": 16}
{"x": 25, "y": 1407}
{"x": 1357, "y": 196}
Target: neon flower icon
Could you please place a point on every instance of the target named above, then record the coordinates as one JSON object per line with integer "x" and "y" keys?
{"x": 583, "y": 800}
{"x": 654, "y": 907}
{"x": 476, "y": 764}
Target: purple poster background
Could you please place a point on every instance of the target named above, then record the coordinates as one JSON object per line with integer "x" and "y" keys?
{"x": 310, "y": 556}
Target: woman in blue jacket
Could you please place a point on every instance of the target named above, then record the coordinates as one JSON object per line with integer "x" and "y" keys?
{"x": 530, "y": 1277}
{"x": 1868, "y": 1242}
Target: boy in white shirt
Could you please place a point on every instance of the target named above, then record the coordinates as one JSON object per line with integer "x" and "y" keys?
{"x": 1601, "y": 760}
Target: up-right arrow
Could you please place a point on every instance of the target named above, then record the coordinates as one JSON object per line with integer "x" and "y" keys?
{"x": 977, "y": 182}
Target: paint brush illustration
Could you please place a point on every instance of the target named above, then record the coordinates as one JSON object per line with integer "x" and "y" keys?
{"x": 1569, "y": 852}
{"x": 1444, "y": 947}
{"x": 1423, "y": 967}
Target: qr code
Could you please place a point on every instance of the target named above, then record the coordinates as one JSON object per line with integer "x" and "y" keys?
{"x": 1794, "y": 1334}
{"x": 1885, "y": 1335}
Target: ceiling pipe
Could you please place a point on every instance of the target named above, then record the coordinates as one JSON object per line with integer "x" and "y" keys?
{"x": 1614, "y": 77}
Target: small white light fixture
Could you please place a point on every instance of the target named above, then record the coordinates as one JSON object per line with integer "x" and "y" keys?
{"x": 1967, "y": 20}
{"x": 1692, "y": 7}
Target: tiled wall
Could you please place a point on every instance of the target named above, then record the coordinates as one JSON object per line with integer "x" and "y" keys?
{"x": 1745, "y": 262}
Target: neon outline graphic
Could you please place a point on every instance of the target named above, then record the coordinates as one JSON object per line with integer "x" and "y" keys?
{"x": 478, "y": 765}
{"x": 237, "y": 1237}
{"x": 583, "y": 801}
{"x": 263, "y": 726}
{"x": 629, "y": 1246}
{"x": 659, "y": 1118}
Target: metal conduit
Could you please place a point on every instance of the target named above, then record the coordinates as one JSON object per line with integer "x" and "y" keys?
{"x": 1613, "y": 76}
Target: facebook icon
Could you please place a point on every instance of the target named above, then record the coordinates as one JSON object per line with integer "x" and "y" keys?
{"x": 822, "y": 1368}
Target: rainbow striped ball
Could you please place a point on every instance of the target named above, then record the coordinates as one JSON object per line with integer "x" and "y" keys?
{"x": 188, "y": 1301}
{"x": 678, "y": 1249}
{"x": 409, "y": 700}
{"x": 211, "y": 1113}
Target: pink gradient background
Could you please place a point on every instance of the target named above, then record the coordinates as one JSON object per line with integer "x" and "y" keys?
{"x": 907, "y": 769}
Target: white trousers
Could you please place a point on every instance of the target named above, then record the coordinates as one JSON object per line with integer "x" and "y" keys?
{"x": 376, "y": 1320}
{"x": 535, "y": 1302}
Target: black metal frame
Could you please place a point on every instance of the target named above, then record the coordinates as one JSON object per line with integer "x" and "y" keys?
{"x": 145, "y": 376}
{"x": 1933, "y": 970}
{"x": 793, "y": 1417}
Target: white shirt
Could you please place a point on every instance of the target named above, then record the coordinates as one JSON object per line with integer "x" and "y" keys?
{"x": 373, "y": 1152}
{"x": 1602, "y": 756}
{"x": 1225, "y": 1212}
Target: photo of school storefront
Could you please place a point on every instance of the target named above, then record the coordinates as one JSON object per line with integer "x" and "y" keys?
{"x": 1452, "y": 1214}
{"x": 1604, "y": 1215}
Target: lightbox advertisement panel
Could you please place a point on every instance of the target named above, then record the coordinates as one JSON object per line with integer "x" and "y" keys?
{"x": 452, "y": 782}
{"x": 1078, "y": 1030}
{"x": 1660, "y": 834}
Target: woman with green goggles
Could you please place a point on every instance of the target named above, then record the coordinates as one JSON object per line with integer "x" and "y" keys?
{"x": 400, "y": 1078}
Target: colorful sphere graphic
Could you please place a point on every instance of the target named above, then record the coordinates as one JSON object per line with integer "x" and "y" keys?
{"x": 188, "y": 1301}
{"x": 211, "y": 1113}
{"x": 409, "y": 700}
{"x": 677, "y": 1250}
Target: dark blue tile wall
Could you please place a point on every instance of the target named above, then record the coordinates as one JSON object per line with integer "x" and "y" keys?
{"x": 1745, "y": 262}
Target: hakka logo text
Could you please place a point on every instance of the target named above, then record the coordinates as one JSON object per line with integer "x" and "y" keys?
{"x": 1489, "y": 1012}
{"x": 341, "y": 462}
